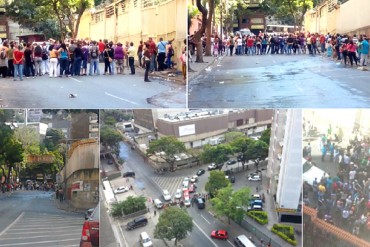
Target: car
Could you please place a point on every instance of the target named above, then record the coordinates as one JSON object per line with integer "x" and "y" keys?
{"x": 219, "y": 234}
{"x": 128, "y": 174}
{"x": 90, "y": 229}
{"x": 178, "y": 194}
{"x": 254, "y": 178}
{"x": 232, "y": 179}
{"x": 88, "y": 213}
{"x": 166, "y": 195}
{"x": 110, "y": 162}
{"x": 186, "y": 179}
{"x": 138, "y": 222}
{"x": 185, "y": 185}
{"x": 254, "y": 207}
{"x": 231, "y": 162}
{"x": 212, "y": 166}
{"x": 121, "y": 189}
{"x": 145, "y": 240}
{"x": 200, "y": 172}
{"x": 194, "y": 178}
{"x": 177, "y": 158}
{"x": 191, "y": 188}
{"x": 256, "y": 196}
{"x": 200, "y": 202}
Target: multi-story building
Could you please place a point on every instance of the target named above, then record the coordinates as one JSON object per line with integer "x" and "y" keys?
{"x": 199, "y": 127}
{"x": 254, "y": 19}
{"x": 284, "y": 169}
{"x": 84, "y": 125}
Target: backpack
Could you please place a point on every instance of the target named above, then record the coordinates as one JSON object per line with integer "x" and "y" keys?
{"x": 170, "y": 51}
{"x": 94, "y": 52}
{"x": 3, "y": 54}
{"x": 44, "y": 54}
{"x": 38, "y": 51}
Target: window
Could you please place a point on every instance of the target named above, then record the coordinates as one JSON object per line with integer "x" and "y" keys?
{"x": 109, "y": 11}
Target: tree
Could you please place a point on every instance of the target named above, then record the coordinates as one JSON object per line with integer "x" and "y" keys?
{"x": 130, "y": 205}
{"x": 53, "y": 139}
{"x": 110, "y": 136}
{"x": 6, "y": 115}
{"x": 296, "y": 9}
{"x": 216, "y": 181}
{"x": 240, "y": 144}
{"x": 257, "y": 149}
{"x": 173, "y": 223}
{"x": 43, "y": 15}
{"x": 169, "y": 145}
{"x": 265, "y": 136}
{"x": 198, "y": 35}
{"x": 29, "y": 138}
{"x": 230, "y": 136}
{"x": 230, "y": 204}
{"x": 217, "y": 154}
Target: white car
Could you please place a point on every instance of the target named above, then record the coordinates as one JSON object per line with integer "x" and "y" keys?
{"x": 186, "y": 179}
{"x": 121, "y": 189}
{"x": 194, "y": 178}
{"x": 166, "y": 195}
{"x": 254, "y": 178}
{"x": 185, "y": 185}
{"x": 178, "y": 194}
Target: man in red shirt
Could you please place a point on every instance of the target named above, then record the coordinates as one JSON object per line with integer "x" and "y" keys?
{"x": 322, "y": 42}
{"x": 18, "y": 63}
{"x": 101, "y": 46}
{"x": 153, "y": 55}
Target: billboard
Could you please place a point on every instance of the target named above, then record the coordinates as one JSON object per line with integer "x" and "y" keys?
{"x": 187, "y": 130}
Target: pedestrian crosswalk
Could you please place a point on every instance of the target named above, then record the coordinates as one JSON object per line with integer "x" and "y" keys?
{"x": 169, "y": 183}
{"x": 42, "y": 230}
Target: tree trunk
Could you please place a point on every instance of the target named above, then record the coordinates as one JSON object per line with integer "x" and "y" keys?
{"x": 77, "y": 25}
{"x": 198, "y": 35}
{"x": 209, "y": 27}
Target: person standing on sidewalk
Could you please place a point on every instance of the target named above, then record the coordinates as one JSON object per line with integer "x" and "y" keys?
{"x": 131, "y": 58}
{"x": 231, "y": 45}
{"x": 140, "y": 53}
{"x": 61, "y": 195}
{"x": 18, "y": 63}
{"x": 147, "y": 59}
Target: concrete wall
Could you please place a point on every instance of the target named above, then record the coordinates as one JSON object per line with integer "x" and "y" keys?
{"x": 165, "y": 20}
{"x": 352, "y": 17}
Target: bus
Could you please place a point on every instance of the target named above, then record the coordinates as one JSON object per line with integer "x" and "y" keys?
{"x": 270, "y": 29}
{"x": 108, "y": 195}
{"x": 243, "y": 241}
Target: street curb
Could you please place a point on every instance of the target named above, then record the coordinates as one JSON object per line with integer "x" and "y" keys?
{"x": 191, "y": 75}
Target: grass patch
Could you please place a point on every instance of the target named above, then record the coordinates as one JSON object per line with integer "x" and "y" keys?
{"x": 285, "y": 232}
{"x": 260, "y": 216}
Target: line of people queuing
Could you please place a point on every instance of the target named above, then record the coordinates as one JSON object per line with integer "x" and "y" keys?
{"x": 70, "y": 58}
{"x": 349, "y": 49}
{"x": 343, "y": 199}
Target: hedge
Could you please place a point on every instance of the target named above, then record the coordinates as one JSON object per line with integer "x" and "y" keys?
{"x": 260, "y": 216}
{"x": 285, "y": 232}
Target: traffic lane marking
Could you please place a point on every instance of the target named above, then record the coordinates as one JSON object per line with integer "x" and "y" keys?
{"x": 12, "y": 224}
{"x": 230, "y": 243}
{"x": 209, "y": 238}
{"x": 126, "y": 100}
{"x": 205, "y": 219}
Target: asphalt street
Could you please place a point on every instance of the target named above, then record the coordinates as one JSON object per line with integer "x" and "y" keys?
{"x": 104, "y": 91}
{"x": 273, "y": 81}
{"x": 31, "y": 218}
{"x": 150, "y": 185}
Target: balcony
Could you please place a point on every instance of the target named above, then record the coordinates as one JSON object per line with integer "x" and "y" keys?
{"x": 94, "y": 128}
{"x": 93, "y": 119}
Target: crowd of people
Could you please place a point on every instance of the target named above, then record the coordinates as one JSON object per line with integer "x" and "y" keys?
{"x": 72, "y": 57}
{"x": 346, "y": 48}
{"x": 343, "y": 199}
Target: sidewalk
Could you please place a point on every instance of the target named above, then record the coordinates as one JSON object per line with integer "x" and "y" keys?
{"x": 65, "y": 205}
{"x": 195, "y": 69}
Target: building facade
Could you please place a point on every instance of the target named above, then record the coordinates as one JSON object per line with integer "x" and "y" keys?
{"x": 284, "y": 168}
{"x": 331, "y": 16}
{"x": 84, "y": 125}
{"x": 136, "y": 20}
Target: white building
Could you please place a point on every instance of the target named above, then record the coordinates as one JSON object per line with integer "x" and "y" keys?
{"x": 285, "y": 164}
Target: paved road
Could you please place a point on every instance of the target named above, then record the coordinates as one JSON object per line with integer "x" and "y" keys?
{"x": 28, "y": 217}
{"x": 104, "y": 91}
{"x": 273, "y": 81}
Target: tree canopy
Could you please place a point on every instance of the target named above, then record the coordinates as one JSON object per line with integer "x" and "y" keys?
{"x": 173, "y": 223}
{"x": 265, "y": 136}
{"x": 217, "y": 154}
{"x": 169, "y": 145}
{"x": 109, "y": 136}
{"x": 216, "y": 181}
{"x": 230, "y": 203}
{"x": 130, "y": 205}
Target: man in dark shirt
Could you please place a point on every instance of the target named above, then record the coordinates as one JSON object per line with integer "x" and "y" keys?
{"x": 77, "y": 53}
{"x": 28, "y": 61}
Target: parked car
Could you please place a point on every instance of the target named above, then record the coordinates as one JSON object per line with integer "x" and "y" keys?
{"x": 90, "y": 229}
{"x": 185, "y": 185}
{"x": 232, "y": 179}
{"x": 200, "y": 172}
{"x": 219, "y": 234}
{"x": 254, "y": 207}
{"x": 254, "y": 178}
{"x": 121, "y": 189}
{"x": 145, "y": 240}
{"x": 231, "y": 162}
{"x": 110, "y": 162}
{"x": 166, "y": 195}
{"x": 194, "y": 178}
{"x": 128, "y": 174}
{"x": 191, "y": 188}
{"x": 213, "y": 166}
{"x": 178, "y": 194}
{"x": 158, "y": 203}
{"x": 138, "y": 222}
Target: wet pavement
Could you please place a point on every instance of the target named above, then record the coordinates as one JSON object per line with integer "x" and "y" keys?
{"x": 272, "y": 81}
